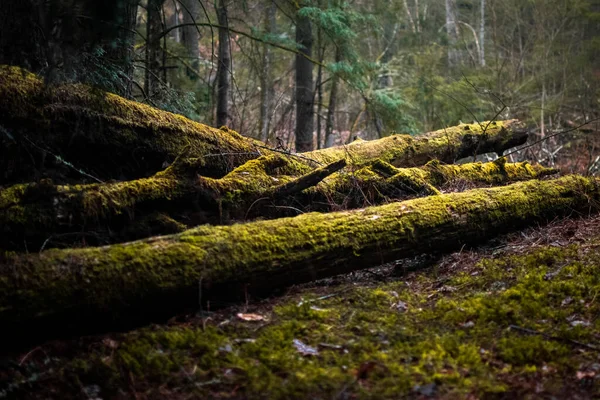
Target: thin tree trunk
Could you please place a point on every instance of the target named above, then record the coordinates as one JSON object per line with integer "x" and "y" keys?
{"x": 319, "y": 86}
{"x": 191, "y": 34}
{"x": 482, "y": 35}
{"x": 266, "y": 86}
{"x": 153, "y": 51}
{"x": 304, "y": 86}
{"x": 224, "y": 70}
{"x": 452, "y": 31}
{"x": 330, "y": 122}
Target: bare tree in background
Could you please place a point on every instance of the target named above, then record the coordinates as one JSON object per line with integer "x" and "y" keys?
{"x": 191, "y": 34}
{"x": 453, "y": 32}
{"x": 224, "y": 69}
{"x": 154, "y": 28}
{"x": 304, "y": 85}
{"x": 266, "y": 87}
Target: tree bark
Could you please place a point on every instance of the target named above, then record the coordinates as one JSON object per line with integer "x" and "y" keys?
{"x": 69, "y": 289}
{"x": 482, "y": 35}
{"x": 191, "y": 34}
{"x": 224, "y": 70}
{"x": 121, "y": 51}
{"x": 453, "y": 32}
{"x": 154, "y": 28}
{"x": 304, "y": 86}
{"x": 266, "y": 86}
{"x": 330, "y": 122}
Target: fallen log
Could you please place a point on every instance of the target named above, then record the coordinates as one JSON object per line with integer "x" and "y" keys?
{"x": 40, "y": 216}
{"x": 69, "y": 289}
{"x": 74, "y": 133}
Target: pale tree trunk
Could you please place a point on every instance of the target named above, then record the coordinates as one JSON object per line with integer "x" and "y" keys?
{"x": 385, "y": 80}
{"x": 452, "y": 31}
{"x": 191, "y": 34}
{"x": 266, "y": 87}
{"x": 482, "y": 35}
{"x": 304, "y": 86}
{"x": 224, "y": 71}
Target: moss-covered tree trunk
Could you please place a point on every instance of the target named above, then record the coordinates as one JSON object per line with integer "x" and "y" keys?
{"x": 71, "y": 288}
{"x": 41, "y": 216}
{"x": 72, "y": 133}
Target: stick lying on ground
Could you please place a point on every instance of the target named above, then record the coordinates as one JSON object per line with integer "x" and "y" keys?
{"x": 69, "y": 288}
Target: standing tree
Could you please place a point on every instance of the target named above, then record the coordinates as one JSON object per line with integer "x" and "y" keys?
{"x": 154, "y": 28}
{"x": 453, "y": 33}
{"x": 191, "y": 34}
{"x": 304, "y": 83}
{"x": 224, "y": 70}
{"x": 266, "y": 88}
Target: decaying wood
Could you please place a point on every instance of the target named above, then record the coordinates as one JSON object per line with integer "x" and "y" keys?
{"x": 71, "y": 288}
{"x": 60, "y": 130}
{"x": 43, "y": 215}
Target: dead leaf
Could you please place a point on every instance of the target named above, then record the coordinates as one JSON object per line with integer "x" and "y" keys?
{"x": 585, "y": 374}
{"x": 250, "y": 317}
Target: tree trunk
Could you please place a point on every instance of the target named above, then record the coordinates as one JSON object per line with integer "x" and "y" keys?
{"x": 330, "y": 122}
{"x": 42, "y": 215}
{"x": 66, "y": 133}
{"x": 191, "y": 34}
{"x": 454, "y": 58}
{"x": 482, "y": 35}
{"x": 224, "y": 70}
{"x": 266, "y": 86}
{"x": 71, "y": 289}
{"x": 154, "y": 28}
{"x": 304, "y": 86}
{"x": 121, "y": 51}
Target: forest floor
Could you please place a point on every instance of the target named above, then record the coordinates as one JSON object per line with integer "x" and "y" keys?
{"x": 516, "y": 318}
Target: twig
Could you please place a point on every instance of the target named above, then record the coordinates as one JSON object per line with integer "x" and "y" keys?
{"x": 551, "y": 136}
{"x": 290, "y": 154}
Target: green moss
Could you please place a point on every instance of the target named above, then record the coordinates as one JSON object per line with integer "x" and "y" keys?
{"x": 263, "y": 253}
{"x": 447, "y": 145}
{"x": 385, "y": 341}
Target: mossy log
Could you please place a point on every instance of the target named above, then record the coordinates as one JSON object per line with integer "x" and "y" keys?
{"x": 56, "y": 131}
{"x": 66, "y": 289}
{"x": 43, "y": 215}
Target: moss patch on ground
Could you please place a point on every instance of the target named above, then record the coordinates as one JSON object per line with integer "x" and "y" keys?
{"x": 517, "y": 325}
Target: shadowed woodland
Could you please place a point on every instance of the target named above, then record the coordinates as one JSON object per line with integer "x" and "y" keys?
{"x": 299, "y": 199}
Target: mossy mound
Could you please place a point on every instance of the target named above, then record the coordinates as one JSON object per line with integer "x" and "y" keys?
{"x": 521, "y": 325}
